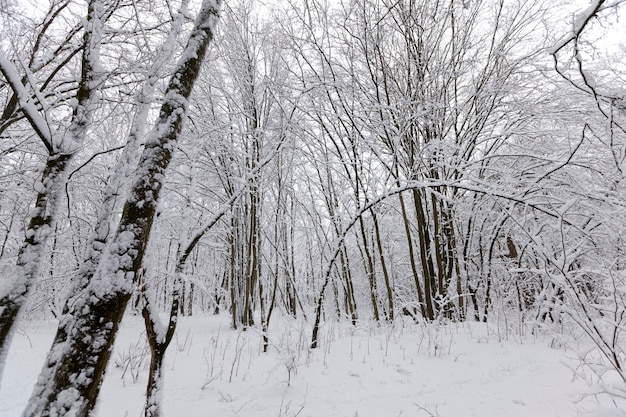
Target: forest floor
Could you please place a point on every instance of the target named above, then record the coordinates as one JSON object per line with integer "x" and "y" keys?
{"x": 369, "y": 370}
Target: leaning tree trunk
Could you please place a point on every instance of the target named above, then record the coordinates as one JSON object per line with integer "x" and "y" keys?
{"x": 72, "y": 376}
{"x": 28, "y": 260}
{"x": 61, "y": 150}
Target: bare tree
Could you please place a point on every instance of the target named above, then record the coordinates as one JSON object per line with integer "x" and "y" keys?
{"x": 73, "y": 372}
{"x": 61, "y": 144}
{"x": 587, "y": 273}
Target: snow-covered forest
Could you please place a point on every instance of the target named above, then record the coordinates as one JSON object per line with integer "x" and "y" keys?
{"x": 312, "y": 208}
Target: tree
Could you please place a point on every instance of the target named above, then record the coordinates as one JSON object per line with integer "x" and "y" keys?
{"x": 588, "y": 272}
{"x": 72, "y": 375}
{"x": 61, "y": 144}
{"x": 246, "y": 100}
{"x": 416, "y": 91}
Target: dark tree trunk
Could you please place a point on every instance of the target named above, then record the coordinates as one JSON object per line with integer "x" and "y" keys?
{"x": 383, "y": 265}
{"x": 159, "y": 339}
{"x": 409, "y": 238}
{"x": 27, "y": 265}
{"x": 75, "y": 366}
{"x": 370, "y": 271}
{"x": 425, "y": 256}
{"x": 53, "y": 178}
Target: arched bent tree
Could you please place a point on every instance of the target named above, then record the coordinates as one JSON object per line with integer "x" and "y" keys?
{"x": 73, "y": 373}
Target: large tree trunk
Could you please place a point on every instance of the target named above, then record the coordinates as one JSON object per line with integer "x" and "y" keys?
{"x": 71, "y": 379}
{"x": 28, "y": 262}
{"x": 61, "y": 146}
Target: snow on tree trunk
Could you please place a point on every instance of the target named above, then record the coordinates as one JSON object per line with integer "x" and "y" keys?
{"x": 124, "y": 167}
{"x": 71, "y": 378}
{"x": 28, "y": 260}
{"x": 159, "y": 338}
{"x": 62, "y": 146}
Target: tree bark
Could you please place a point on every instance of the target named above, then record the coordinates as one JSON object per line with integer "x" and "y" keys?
{"x": 370, "y": 270}
{"x": 425, "y": 256}
{"x": 383, "y": 265}
{"x": 409, "y": 238}
{"x": 61, "y": 150}
{"x": 72, "y": 376}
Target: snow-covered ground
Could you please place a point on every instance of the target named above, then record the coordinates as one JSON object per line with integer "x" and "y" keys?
{"x": 454, "y": 370}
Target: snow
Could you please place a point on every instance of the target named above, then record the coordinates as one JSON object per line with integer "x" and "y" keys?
{"x": 580, "y": 20}
{"x": 39, "y": 123}
{"x": 469, "y": 369}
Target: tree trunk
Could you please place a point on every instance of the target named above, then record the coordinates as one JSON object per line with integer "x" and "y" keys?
{"x": 72, "y": 376}
{"x": 383, "y": 265}
{"x": 28, "y": 259}
{"x": 159, "y": 338}
{"x": 155, "y": 383}
{"x": 54, "y": 176}
{"x": 370, "y": 271}
{"x": 347, "y": 277}
{"x": 232, "y": 275}
{"x": 425, "y": 256}
{"x": 409, "y": 238}
{"x": 252, "y": 270}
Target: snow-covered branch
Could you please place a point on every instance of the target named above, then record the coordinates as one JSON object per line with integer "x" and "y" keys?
{"x": 38, "y": 123}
